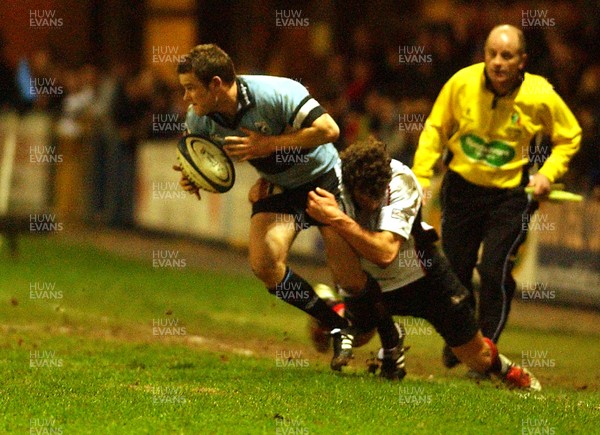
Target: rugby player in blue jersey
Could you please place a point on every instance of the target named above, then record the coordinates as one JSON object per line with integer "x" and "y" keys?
{"x": 275, "y": 125}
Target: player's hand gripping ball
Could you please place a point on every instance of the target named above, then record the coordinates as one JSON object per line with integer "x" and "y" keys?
{"x": 205, "y": 164}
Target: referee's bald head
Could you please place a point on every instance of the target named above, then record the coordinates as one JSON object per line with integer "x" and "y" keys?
{"x": 510, "y": 31}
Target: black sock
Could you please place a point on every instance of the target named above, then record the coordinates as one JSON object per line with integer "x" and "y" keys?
{"x": 388, "y": 334}
{"x": 367, "y": 311}
{"x": 294, "y": 290}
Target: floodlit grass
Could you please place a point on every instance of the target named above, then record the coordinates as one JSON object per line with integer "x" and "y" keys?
{"x": 128, "y": 348}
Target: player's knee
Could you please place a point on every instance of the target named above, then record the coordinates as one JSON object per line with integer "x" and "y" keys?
{"x": 270, "y": 273}
{"x": 358, "y": 284}
{"x": 266, "y": 274}
{"x": 352, "y": 285}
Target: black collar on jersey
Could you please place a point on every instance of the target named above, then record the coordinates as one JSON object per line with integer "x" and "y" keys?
{"x": 497, "y": 96}
{"x": 245, "y": 100}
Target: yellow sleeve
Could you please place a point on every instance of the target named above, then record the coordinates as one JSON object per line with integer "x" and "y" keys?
{"x": 435, "y": 134}
{"x": 565, "y": 134}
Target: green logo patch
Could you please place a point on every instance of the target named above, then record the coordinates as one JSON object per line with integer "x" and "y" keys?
{"x": 495, "y": 153}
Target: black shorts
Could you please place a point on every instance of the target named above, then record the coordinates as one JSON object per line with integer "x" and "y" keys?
{"x": 293, "y": 201}
{"x": 438, "y": 297}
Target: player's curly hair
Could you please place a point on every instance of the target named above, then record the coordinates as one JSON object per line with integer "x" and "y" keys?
{"x": 366, "y": 167}
{"x": 207, "y": 61}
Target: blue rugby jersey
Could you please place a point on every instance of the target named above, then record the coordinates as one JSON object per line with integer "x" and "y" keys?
{"x": 272, "y": 106}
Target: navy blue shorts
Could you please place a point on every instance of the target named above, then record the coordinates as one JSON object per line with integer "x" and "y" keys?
{"x": 293, "y": 201}
{"x": 438, "y": 297}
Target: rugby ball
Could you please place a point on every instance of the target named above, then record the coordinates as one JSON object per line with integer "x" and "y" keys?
{"x": 205, "y": 164}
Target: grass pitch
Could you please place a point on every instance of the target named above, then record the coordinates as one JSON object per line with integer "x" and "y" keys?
{"x": 93, "y": 343}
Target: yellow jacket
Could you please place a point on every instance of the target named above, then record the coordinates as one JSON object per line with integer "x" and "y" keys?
{"x": 490, "y": 136}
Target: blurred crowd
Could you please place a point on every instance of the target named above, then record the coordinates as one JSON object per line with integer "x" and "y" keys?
{"x": 108, "y": 111}
{"x": 383, "y": 79}
{"x": 373, "y": 79}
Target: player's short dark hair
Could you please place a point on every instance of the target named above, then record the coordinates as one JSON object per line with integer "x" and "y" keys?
{"x": 207, "y": 61}
{"x": 366, "y": 167}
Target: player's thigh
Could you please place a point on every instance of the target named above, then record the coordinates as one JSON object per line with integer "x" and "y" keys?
{"x": 444, "y": 302}
{"x": 271, "y": 235}
{"x": 343, "y": 261}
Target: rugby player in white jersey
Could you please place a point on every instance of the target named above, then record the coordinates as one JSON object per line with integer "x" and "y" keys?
{"x": 379, "y": 216}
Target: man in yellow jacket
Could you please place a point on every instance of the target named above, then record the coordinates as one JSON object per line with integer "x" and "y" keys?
{"x": 487, "y": 116}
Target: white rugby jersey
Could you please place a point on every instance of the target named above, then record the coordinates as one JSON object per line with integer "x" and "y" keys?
{"x": 400, "y": 207}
